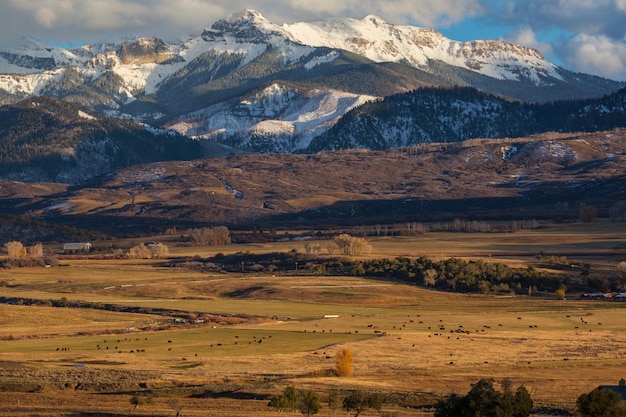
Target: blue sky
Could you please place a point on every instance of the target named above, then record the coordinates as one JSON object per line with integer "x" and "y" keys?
{"x": 581, "y": 35}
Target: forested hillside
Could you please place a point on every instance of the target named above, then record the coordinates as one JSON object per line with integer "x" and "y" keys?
{"x": 459, "y": 113}
{"x": 45, "y": 139}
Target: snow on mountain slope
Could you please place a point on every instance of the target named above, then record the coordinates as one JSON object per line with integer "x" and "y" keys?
{"x": 245, "y": 32}
{"x": 23, "y": 85}
{"x": 381, "y": 41}
{"x": 265, "y": 87}
{"x": 277, "y": 110}
{"x": 250, "y": 34}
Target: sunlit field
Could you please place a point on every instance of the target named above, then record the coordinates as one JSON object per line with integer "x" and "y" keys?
{"x": 258, "y": 332}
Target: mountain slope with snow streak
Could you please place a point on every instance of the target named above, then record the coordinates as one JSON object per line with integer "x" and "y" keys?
{"x": 280, "y": 111}
{"x": 381, "y": 41}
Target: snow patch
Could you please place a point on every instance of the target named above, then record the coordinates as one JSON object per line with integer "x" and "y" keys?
{"x": 85, "y": 115}
{"x": 508, "y": 151}
{"x": 320, "y": 60}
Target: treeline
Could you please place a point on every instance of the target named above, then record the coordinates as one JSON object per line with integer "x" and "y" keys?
{"x": 51, "y": 137}
{"x": 475, "y": 276}
{"x": 455, "y": 114}
{"x": 457, "y": 225}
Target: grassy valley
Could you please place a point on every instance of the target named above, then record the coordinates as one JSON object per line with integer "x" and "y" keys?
{"x": 224, "y": 343}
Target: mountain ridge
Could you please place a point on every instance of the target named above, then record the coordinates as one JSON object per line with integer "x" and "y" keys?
{"x": 548, "y": 176}
{"x": 182, "y": 84}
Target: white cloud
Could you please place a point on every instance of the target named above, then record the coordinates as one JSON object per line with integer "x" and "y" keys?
{"x": 586, "y": 36}
{"x": 89, "y": 20}
{"x": 598, "y": 55}
{"x": 428, "y": 13}
{"x": 527, "y": 37}
{"x": 46, "y": 17}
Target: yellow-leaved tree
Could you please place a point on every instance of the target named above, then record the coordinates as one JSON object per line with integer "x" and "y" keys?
{"x": 343, "y": 365}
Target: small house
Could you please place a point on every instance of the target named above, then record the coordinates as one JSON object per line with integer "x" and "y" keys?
{"x": 77, "y": 246}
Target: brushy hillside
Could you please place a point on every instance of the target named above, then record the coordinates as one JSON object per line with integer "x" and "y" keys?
{"x": 542, "y": 177}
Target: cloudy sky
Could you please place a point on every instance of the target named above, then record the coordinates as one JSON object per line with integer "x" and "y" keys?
{"x": 581, "y": 35}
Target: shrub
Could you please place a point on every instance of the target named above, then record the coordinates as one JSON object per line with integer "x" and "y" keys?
{"x": 288, "y": 400}
{"x": 484, "y": 400}
{"x": 308, "y": 402}
{"x": 359, "y": 401}
{"x": 600, "y": 403}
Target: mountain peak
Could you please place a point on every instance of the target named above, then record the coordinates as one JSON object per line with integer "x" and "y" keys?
{"x": 375, "y": 20}
{"x": 244, "y": 19}
{"x": 247, "y": 25}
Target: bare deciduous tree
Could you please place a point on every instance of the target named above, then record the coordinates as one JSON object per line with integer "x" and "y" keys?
{"x": 621, "y": 270}
{"x": 35, "y": 251}
{"x": 213, "y": 236}
{"x": 312, "y": 247}
{"x": 344, "y": 244}
{"x": 587, "y": 214}
{"x": 157, "y": 250}
{"x": 15, "y": 249}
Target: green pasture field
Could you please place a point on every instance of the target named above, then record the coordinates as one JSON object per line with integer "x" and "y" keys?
{"x": 405, "y": 339}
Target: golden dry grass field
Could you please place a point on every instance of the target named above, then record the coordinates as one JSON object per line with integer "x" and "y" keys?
{"x": 268, "y": 331}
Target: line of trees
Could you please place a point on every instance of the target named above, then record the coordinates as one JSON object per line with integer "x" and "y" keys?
{"x": 475, "y": 276}
{"x": 484, "y": 400}
{"x": 17, "y": 250}
{"x": 143, "y": 251}
{"x": 308, "y": 402}
{"x": 457, "y": 225}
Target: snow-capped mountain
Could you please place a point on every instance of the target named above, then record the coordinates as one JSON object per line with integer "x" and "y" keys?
{"x": 261, "y": 86}
{"x": 380, "y": 41}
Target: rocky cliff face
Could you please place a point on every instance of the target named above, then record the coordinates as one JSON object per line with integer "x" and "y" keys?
{"x": 145, "y": 51}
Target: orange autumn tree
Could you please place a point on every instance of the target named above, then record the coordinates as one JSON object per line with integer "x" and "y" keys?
{"x": 343, "y": 365}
